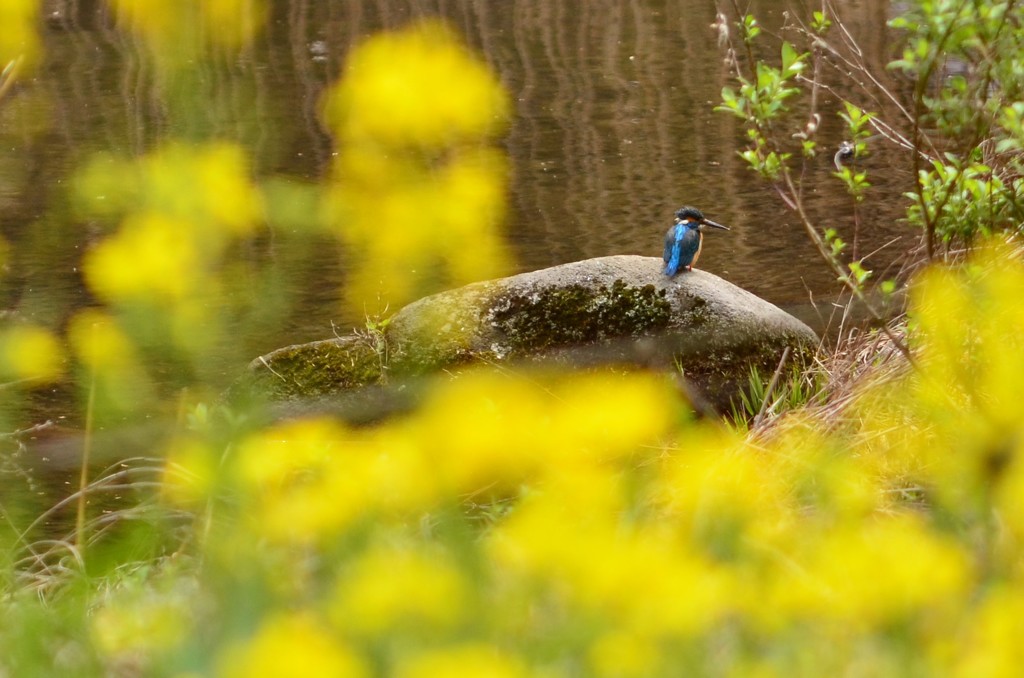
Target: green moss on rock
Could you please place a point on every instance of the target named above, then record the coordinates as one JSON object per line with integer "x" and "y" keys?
{"x": 315, "y": 369}
{"x": 575, "y": 314}
{"x": 697, "y": 314}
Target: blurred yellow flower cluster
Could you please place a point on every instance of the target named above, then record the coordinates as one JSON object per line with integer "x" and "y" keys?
{"x": 313, "y": 480}
{"x": 183, "y": 207}
{"x": 292, "y": 645}
{"x": 956, "y": 426}
{"x": 419, "y": 195}
{"x": 175, "y": 30}
{"x": 19, "y": 38}
{"x": 584, "y": 525}
{"x": 418, "y": 88}
{"x": 164, "y": 271}
{"x": 208, "y": 189}
{"x": 30, "y": 353}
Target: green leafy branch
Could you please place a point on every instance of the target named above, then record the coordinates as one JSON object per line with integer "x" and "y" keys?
{"x": 760, "y": 99}
{"x": 966, "y": 62}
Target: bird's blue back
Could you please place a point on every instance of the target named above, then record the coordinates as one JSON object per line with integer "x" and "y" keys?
{"x": 682, "y": 242}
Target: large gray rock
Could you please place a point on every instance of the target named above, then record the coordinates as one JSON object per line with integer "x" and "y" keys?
{"x": 618, "y": 309}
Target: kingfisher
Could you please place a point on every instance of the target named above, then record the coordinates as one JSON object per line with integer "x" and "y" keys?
{"x": 684, "y": 239}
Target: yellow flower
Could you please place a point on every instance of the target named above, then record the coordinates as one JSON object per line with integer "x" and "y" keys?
{"x": 291, "y": 646}
{"x": 878, "y": 573}
{"x": 638, "y": 578}
{"x": 967, "y": 396}
{"x": 722, "y": 494}
{"x": 419, "y": 86}
{"x": 1007, "y": 495}
{"x": 190, "y": 471}
{"x": 606, "y": 416}
{"x": 100, "y": 343}
{"x": 621, "y": 654}
{"x": 819, "y": 474}
{"x": 19, "y": 38}
{"x": 281, "y": 454}
{"x": 991, "y": 644}
{"x": 403, "y": 480}
{"x": 416, "y": 181}
{"x": 152, "y": 256}
{"x": 233, "y": 23}
{"x": 302, "y": 481}
{"x": 478, "y": 660}
{"x": 511, "y": 429}
{"x": 208, "y": 188}
{"x": 30, "y": 353}
{"x": 647, "y": 583}
{"x": 483, "y": 429}
{"x": 389, "y": 590}
{"x": 148, "y": 624}
{"x": 174, "y": 29}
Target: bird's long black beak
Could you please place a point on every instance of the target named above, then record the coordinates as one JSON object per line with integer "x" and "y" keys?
{"x": 713, "y": 224}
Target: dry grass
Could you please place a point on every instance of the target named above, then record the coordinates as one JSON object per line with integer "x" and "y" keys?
{"x": 838, "y": 375}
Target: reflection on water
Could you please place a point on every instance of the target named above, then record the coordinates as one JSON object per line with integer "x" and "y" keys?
{"x": 613, "y": 130}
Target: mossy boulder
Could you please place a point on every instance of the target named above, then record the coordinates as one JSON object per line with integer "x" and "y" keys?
{"x": 617, "y": 310}
{"x": 315, "y": 369}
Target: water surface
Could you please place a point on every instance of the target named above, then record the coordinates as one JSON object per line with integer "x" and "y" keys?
{"x": 613, "y": 130}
